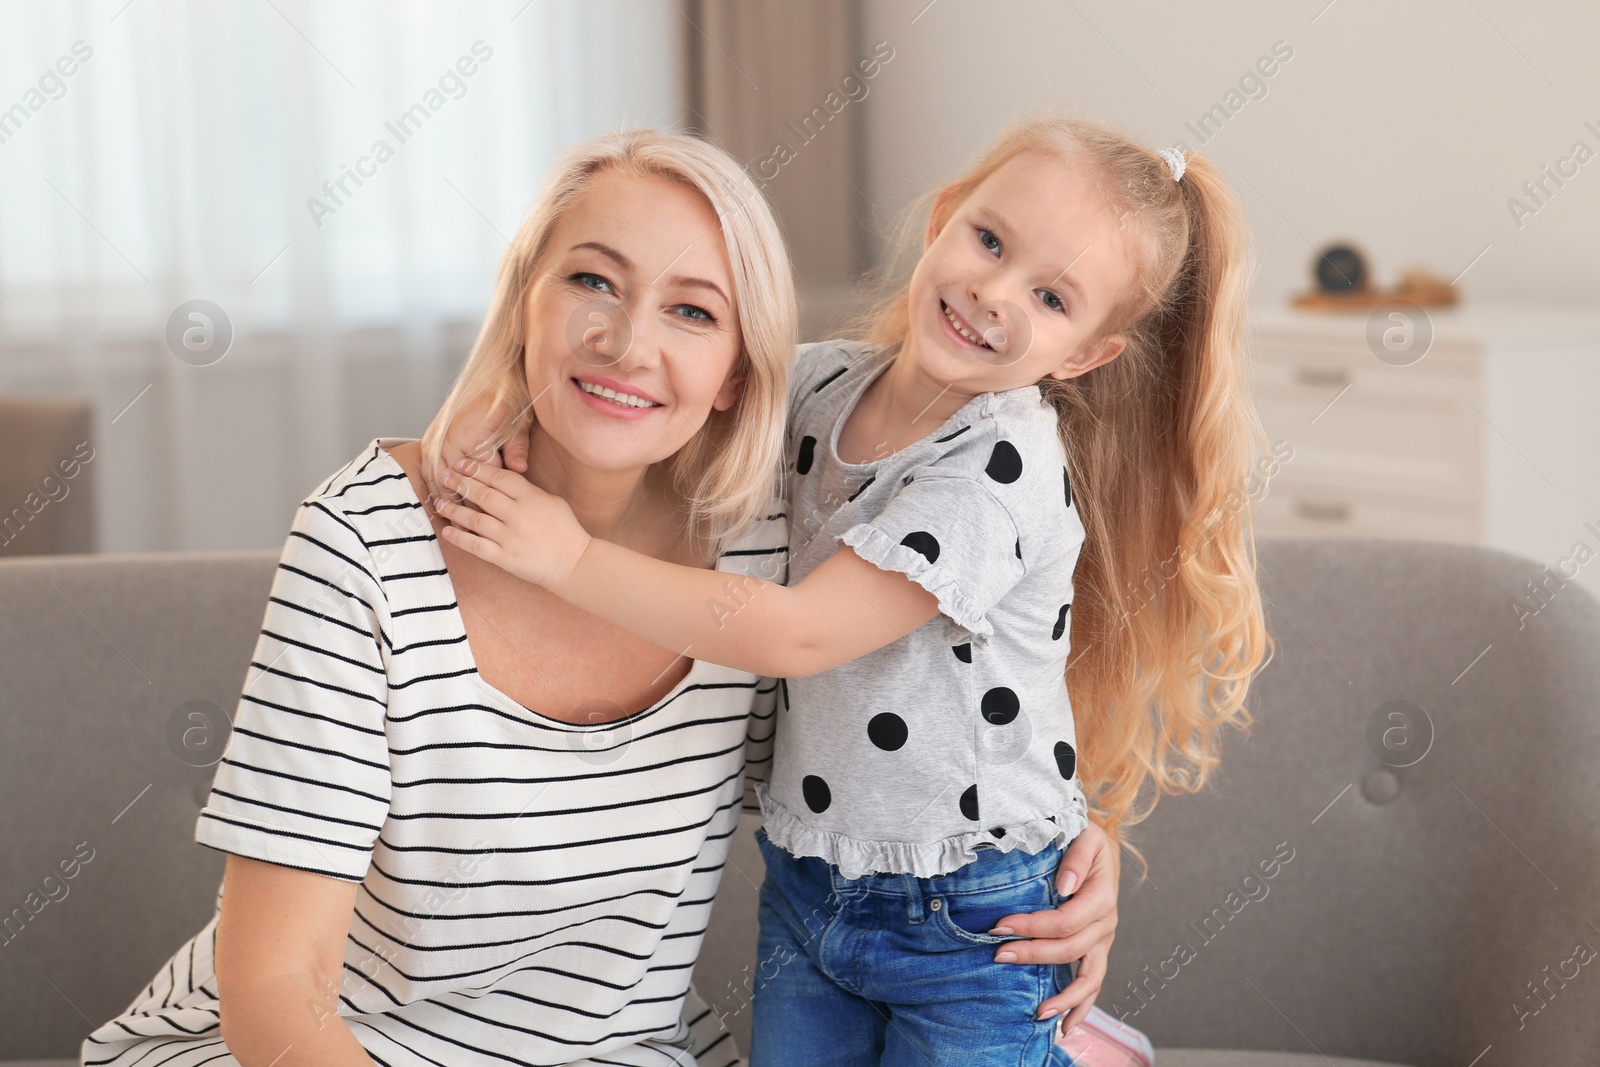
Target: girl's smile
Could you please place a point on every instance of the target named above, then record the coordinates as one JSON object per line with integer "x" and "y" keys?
{"x": 960, "y": 331}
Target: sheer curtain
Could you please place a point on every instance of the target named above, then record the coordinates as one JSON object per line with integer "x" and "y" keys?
{"x": 335, "y": 181}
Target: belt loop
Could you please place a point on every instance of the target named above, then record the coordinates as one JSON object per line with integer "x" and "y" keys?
{"x": 847, "y": 889}
{"x": 916, "y": 909}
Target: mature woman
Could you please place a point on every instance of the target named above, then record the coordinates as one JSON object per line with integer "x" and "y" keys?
{"x": 467, "y": 823}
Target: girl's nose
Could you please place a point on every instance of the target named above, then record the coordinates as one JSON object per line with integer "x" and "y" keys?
{"x": 987, "y": 287}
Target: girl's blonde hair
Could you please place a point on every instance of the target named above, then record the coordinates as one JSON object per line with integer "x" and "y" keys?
{"x": 728, "y": 471}
{"x": 1167, "y": 625}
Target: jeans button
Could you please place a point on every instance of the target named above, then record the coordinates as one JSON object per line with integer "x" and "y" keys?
{"x": 936, "y": 904}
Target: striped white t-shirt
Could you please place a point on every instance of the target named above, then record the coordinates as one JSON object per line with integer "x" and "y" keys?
{"x": 532, "y": 891}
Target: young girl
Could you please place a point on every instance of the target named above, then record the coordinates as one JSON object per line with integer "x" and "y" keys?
{"x": 1026, "y": 476}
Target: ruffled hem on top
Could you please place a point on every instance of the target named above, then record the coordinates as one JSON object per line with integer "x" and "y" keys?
{"x": 856, "y": 858}
{"x": 872, "y": 545}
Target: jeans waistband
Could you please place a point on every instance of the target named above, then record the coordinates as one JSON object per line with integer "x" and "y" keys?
{"x": 992, "y": 869}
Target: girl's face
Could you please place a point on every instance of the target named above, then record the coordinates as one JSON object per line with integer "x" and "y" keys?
{"x": 632, "y": 331}
{"x": 1017, "y": 280}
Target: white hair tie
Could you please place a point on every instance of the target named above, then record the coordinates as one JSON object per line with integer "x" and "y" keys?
{"x": 1175, "y": 161}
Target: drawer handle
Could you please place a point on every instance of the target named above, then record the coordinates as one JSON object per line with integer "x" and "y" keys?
{"x": 1308, "y": 509}
{"x": 1322, "y": 377}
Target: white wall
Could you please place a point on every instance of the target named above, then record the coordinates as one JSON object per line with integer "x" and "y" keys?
{"x": 1404, "y": 126}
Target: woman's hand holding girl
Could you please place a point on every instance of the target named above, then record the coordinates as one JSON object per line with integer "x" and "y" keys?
{"x": 1079, "y": 929}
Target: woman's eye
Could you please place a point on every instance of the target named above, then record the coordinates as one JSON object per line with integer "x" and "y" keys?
{"x": 1050, "y": 300}
{"x": 592, "y": 281}
{"x": 988, "y": 240}
{"x": 699, "y": 314}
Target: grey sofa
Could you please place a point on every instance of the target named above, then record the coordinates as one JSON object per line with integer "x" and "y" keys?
{"x": 1412, "y": 883}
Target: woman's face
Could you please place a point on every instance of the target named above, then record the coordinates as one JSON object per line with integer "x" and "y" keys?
{"x": 632, "y": 332}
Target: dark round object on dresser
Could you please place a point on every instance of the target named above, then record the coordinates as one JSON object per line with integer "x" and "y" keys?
{"x": 1339, "y": 269}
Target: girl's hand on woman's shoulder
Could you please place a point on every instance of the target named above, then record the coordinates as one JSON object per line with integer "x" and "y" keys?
{"x": 517, "y": 526}
{"x": 1078, "y": 929}
{"x": 475, "y": 427}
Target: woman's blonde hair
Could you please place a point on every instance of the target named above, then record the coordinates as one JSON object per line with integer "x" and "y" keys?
{"x": 728, "y": 471}
{"x": 1167, "y": 626}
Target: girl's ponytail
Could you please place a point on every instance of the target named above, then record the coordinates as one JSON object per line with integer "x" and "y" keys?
{"x": 1174, "y": 626}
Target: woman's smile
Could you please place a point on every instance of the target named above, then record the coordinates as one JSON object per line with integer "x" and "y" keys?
{"x": 614, "y": 399}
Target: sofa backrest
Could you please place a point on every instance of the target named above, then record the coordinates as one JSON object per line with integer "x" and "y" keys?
{"x": 1422, "y": 785}
{"x": 1411, "y": 912}
{"x": 107, "y": 662}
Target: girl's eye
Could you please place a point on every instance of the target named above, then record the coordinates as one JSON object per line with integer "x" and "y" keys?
{"x": 592, "y": 281}
{"x": 1050, "y": 300}
{"x": 698, "y": 314}
{"x": 988, "y": 240}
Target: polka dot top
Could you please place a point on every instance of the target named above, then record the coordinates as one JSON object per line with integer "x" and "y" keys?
{"x": 959, "y": 735}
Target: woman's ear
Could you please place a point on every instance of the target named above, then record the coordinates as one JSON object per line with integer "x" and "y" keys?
{"x": 732, "y": 387}
{"x": 1090, "y": 356}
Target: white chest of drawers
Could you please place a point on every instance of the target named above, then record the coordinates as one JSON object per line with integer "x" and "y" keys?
{"x": 1492, "y": 437}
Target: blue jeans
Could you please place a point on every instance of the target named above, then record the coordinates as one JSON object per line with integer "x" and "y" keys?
{"x": 899, "y": 971}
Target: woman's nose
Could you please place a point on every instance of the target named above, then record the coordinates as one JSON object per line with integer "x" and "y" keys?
{"x": 601, "y": 332}
{"x": 644, "y": 336}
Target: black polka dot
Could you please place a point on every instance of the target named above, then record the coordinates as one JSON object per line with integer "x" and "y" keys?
{"x": 923, "y": 542}
{"x": 1066, "y": 760}
{"x": 808, "y": 451}
{"x": 1019, "y": 548}
{"x": 998, "y": 831}
{"x": 818, "y": 795}
{"x": 887, "y": 730}
{"x": 1000, "y": 706}
{"x": 1061, "y": 624}
{"x": 969, "y": 803}
{"x": 1066, "y": 482}
{"x": 963, "y": 652}
{"x": 1005, "y": 463}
